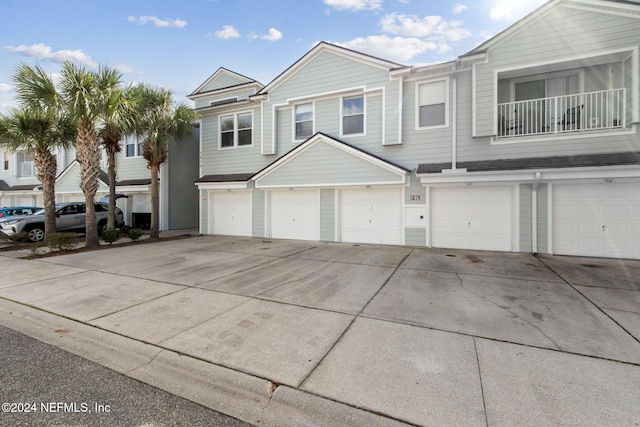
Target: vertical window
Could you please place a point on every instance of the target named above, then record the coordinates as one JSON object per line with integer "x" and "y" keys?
{"x": 432, "y": 105}
{"x": 132, "y": 146}
{"x": 236, "y": 130}
{"x": 5, "y": 160}
{"x": 353, "y": 115}
{"x": 304, "y": 120}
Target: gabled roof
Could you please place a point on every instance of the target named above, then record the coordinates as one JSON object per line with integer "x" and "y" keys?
{"x": 539, "y": 13}
{"x": 323, "y": 47}
{"x": 306, "y": 166}
{"x": 221, "y": 72}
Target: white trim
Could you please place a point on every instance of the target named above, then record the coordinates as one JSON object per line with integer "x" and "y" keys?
{"x": 563, "y": 136}
{"x": 400, "y": 113}
{"x": 447, "y": 102}
{"x": 402, "y": 174}
{"x": 364, "y": 116}
{"x": 235, "y": 130}
{"x": 200, "y": 148}
{"x": 515, "y": 218}
{"x": 230, "y": 185}
{"x": 550, "y": 218}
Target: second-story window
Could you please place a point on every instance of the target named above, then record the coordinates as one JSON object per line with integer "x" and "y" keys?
{"x": 304, "y": 120}
{"x": 5, "y": 160}
{"x": 353, "y": 115}
{"x": 432, "y": 104}
{"x": 132, "y": 146}
{"x": 236, "y": 130}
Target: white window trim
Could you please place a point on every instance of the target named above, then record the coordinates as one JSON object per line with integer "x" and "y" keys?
{"x": 446, "y": 104}
{"x": 6, "y": 161}
{"x": 293, "y": 119}
{"x": 235, "y": 130}
{"x": 137, "y": 155}
{"x": 364, "y": 115}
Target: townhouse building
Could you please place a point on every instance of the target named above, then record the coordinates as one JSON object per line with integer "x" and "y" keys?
{"x": 527, "y": 143}
{"x": 19, "y": 185}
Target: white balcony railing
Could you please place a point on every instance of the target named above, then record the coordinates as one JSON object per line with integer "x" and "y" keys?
{"x": 560, "y": 114}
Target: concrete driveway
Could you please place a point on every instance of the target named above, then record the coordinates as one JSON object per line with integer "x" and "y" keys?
{"x": 291, "y": 332}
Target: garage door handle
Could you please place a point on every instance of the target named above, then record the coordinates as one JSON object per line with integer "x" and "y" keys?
{"x": 603, "y": 227}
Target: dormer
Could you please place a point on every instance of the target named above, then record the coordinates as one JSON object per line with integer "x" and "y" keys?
{"x": 224, "y": 87}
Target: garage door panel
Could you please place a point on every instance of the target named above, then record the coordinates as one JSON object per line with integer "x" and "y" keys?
{"x": 472, "y": 218}
{"x": 232, "y": 213}
{"x": 371, "y": 215}
{"x": 294, "y": 215}
{"x": 596, "y": 219}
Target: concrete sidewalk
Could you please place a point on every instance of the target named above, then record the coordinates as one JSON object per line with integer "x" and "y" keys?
{"x": 306, "y": 333}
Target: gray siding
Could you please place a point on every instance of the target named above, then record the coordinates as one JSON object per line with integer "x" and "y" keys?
{"x": 240, "y": 94}
{"x": 551, "y": 38}
{"x": 543, "y": 219}
{"x": 204, "y": 211}
{"x": 324, "y": 164}
{"x": 182, "y": 172}
{"x": 328, "y": 215}
{"x": 525, "y": 224}
{"x": 131, "y": 167}
{"x": 258, "y": 228}
{"x": 415, "y": 237}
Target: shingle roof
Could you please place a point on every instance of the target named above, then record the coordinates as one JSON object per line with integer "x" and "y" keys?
{"x": 232, "y": 177}
{"x": 587, "y": 160}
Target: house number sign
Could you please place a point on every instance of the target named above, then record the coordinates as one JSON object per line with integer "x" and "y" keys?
{"x": 414, "y": 197}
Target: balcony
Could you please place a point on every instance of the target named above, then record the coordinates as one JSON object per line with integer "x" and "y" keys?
{"x": 583, "y": 112}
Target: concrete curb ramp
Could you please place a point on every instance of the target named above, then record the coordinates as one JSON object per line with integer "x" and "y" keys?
{"x": 305, "y": 333}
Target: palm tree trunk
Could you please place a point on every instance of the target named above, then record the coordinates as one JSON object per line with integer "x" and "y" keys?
{"x": 47, "y": 167}
{"x": 111, "y": 218}
{"x": 88, "y": 152}
{"x": 155, "y": 202}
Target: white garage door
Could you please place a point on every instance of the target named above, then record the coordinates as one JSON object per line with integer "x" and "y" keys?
{"x": 294, "y": 214}
{"x": 231, "y": 213}
{"x": 597, "y": 220}
{"x": 371, "y": 215}
{"x": 472, "y": 218}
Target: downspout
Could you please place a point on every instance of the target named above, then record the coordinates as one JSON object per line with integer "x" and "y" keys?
{"x": 534, "y": 214}
{"x": 454, "y": 131}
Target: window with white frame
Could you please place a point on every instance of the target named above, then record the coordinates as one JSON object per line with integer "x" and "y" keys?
{"x": 353, "y": 115}
{"x": 236, "y": 130}
{"x": 27, "y": 166}
{"x": 5, "y": 160}
{"x": 133, "y": 146}
{"x": 432, "y": 104}
{"x": 303, "y": 121}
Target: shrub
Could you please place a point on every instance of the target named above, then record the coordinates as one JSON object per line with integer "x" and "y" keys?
{"x": 135, "y": 234}
{"x": 111, "y": 236}
{"x": 18, "y": 237}
{"x": 62, "y": 241}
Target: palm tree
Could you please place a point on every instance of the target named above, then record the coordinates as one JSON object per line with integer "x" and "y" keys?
{"x": 119, "y": 120}
{"x": 38, "y": 132}
{"x": 161, "y": 122}
{"x": 37, "y": 127}
{"x": 86, "y": 97}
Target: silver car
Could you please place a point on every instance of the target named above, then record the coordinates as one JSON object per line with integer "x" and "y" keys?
{"x": 69, "y": 217}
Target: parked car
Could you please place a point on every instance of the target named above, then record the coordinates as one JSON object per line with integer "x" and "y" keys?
{"x": 18, "y": 210}
{"x": 69, "y": 217}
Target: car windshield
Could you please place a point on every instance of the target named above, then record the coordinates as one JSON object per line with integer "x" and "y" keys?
{"x": 40, "y": 212}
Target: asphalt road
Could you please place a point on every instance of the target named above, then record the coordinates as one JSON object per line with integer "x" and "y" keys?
{"x": 41, "y": 385}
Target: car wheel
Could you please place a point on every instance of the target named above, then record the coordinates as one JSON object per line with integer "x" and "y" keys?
{"x": 102, "y": 227}
{"x": 35, "y": 234}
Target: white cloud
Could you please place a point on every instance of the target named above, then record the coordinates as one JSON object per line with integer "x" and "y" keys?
{"x": 227, "y": 32}
{"x": 397, "y": 49}
{"x": 273, "y": 36}
{"x": 126, "y": 69}
{"x": 429, "y": 26}
{"x": 42, "y": 51}
{"x": 510, "y": 10}
{"x": 459, "y": 9}
{"x": 5, "y": 87}
{"x": 354, "y": 4}
{"x": 162, "y": 23}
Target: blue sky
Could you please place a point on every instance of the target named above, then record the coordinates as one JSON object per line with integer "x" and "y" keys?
{"x": 178, "y": 44}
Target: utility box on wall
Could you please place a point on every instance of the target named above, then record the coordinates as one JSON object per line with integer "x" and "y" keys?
{"x": 416, "y": 216}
